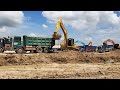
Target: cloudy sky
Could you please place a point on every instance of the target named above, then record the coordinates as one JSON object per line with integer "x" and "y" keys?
{"x": 86, "y": 26}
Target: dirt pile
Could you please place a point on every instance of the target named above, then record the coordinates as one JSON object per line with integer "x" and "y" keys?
{"x": 91, "y": 57}
{"x": 61, "y": 57}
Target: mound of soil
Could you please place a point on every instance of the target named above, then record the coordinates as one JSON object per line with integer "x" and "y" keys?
{"x": 62, "y": 57}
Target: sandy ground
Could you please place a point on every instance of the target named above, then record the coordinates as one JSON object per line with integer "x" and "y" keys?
{"x": 61, "y": 71}
{"x": 61, "y": 65}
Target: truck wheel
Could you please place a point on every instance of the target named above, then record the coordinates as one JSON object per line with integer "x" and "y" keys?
{"x": 45, "y": 50}
{"x": 32, "y": 51}
{"x": 39, "y": 50}
{"x": 1, "y": 50}
{"x": 20, "y": 50}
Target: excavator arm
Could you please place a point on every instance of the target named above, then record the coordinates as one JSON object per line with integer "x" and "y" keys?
{"x": 80, "y": 42}
{"x": 109, "y": 40}
{"x": 58, "y": 24}
{"x": 57, "y": 36}
{"x": 90, "y": 43}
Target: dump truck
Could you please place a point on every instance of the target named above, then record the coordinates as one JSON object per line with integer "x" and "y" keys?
{"x": 26, "y": 43}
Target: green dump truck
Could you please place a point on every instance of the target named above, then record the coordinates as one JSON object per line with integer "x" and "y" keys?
{"x": 27, "y": 43}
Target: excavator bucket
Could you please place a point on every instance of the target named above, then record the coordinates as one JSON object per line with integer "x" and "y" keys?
{"x": 56, "y": 36}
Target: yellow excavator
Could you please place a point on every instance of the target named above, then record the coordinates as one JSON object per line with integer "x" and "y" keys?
{"x": 68, "y": 42}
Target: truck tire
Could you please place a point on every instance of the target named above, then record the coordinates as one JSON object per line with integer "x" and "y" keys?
{"x": 39, "y": 50}
{"x": 46, "y": 50}
{"x": 20, "y": 50}
{"x": 32, "y": 51}
{"x": 1, "y": 50}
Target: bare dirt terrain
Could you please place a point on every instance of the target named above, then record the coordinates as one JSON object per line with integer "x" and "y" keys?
{"x": 61, "y": 65}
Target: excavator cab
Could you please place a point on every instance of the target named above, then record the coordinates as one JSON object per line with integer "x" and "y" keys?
{"x": 70, "y": 42}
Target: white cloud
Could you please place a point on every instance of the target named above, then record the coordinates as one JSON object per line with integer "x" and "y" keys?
{"x": 45, "y": 26}
{"x": 83, "y": 19}
{"x": 37, "y": 35}
{"x": 92, "y": 25}
{"x": 3, "y": 29}
{"x": 33, "y": 35}
{"x": 10, "y": 19}
{"x": 88, "y": 39}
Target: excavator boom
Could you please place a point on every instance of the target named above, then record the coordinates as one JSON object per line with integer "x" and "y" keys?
{"x": 109, "y": 40}
{"x": 90, "y": 44}
{"x": 80, "y": 42}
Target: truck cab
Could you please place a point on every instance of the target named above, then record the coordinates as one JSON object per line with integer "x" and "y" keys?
{"x": 10, "y": 43}
{"x": 17, "y": 42}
